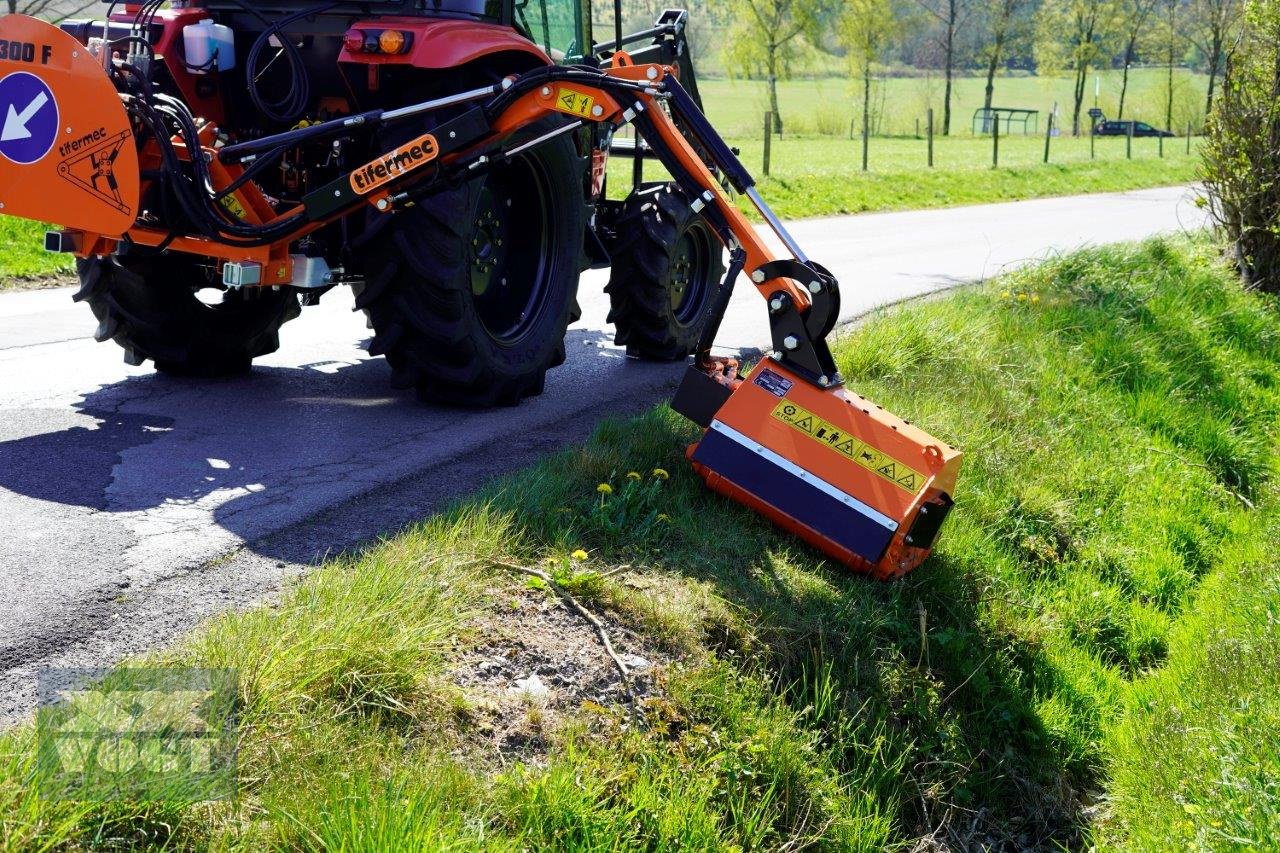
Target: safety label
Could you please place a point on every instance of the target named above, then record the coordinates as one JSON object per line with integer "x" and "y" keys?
{"x": 802, "y": 420}
{"x": 30, "y": 118}
{"x": 574, "y": 102}
{"x": 94, "y": 170}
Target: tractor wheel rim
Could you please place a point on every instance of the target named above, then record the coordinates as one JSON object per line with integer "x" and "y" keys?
{"x": 690, "y": 269}
{"x": 509, "y": 251}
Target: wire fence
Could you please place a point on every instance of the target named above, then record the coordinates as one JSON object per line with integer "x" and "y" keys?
{"x": 997, "y": 147}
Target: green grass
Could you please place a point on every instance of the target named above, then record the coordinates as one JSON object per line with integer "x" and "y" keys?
{"x": 827, "y": 105}
{"x": 817, "y": 176}
{"x": 22, "y": 255}
{"x": 1098, "y": 624}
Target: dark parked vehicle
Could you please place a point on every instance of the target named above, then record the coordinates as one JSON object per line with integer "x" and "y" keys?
{"x": 1108, "y": 127}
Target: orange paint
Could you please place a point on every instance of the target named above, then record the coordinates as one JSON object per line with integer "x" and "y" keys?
{"x": 750, "y": 411}
{"x": 88, "y": 178}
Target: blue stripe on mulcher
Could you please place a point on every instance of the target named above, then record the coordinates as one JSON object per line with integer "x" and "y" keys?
{"x": 803, "y": 501}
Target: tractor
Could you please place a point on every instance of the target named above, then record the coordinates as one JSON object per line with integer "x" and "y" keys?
{"x": 469, "y": 292}
{"x": 216, "y": 168}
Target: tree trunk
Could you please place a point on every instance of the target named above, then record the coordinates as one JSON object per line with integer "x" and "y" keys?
{"x": 1124, "y": 78}
{"x": 950, "y": 62}
{"x": 996, "y": 47}
{"x": 773, "y": 88}
{"x": 1082, "y": 77}
{"x": 1168, "y": 101}
{"x": 866, "y": 110}
{"x": 1215, "y": 59}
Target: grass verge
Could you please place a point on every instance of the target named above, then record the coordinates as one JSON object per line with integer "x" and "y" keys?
{"x": 821, "y": 176}
{"x": 1090, "y": 652}
{"x": 23, "y": 261}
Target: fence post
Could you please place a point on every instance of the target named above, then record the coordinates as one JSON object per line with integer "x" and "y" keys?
{"x": 930, "y": 129}
{"x": 1188, "y": 137}
{"x": 1093, "y": 138}
{"x": 917, "y": 127}
{"x": 995, "y": 144}
{"x": 768, "y": 139}
{"x": 1128, "y": 142}
{"x": 1048, "y": 134}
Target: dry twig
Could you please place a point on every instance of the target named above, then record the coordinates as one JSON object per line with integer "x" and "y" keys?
{"x": 581, "y": 611}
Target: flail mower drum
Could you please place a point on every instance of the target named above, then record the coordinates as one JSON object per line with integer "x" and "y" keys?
{"x": 106, "y": 144}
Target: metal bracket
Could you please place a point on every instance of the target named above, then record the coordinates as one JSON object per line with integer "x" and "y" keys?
{"x": 800, "y": 337}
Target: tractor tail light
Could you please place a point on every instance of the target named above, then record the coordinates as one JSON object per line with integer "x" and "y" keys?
{"x": 392, "y": 41}
{"x": 386, "y": 42}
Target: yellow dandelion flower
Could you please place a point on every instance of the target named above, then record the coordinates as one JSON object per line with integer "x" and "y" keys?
{"x": 579, "y": 554}
{"x": 661, "y": 473}
{"x": 1035, "y": 297}
{"x": 1004, "y": 294}
{"x": 662, "y": 516}
{"x": 633, "y": 475}
{"x": 1022, "y": 297}
{"x": 604, "y": 489}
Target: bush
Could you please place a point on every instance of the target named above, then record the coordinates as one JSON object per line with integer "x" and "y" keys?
{"x": 1241, "y": 168}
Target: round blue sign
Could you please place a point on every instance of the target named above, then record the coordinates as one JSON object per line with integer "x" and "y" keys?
{"x": 30, "y": 118}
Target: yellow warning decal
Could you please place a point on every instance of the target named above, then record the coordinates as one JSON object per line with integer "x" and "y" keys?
{"x": 574, "y": 102}
{"x": 233, "y": 204}
{"x": 864, "y": 454}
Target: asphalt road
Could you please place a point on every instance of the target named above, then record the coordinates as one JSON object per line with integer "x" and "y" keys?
{"x": 133, "y": 505}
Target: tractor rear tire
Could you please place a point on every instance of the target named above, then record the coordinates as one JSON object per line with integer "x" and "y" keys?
{"x": 147, "y": 304}
{"x": 470, "y": 291}
{"x": 667, "y": 263}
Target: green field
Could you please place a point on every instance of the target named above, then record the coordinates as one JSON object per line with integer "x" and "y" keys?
{"x": 827, "y": 105}
{"x": 822, "y": 176}
{"x": 1088, "y": 657}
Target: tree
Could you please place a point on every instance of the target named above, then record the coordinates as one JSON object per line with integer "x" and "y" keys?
{"x": 1134, "y": 17}
{"x": 50, "y": 10}
{"x": 1167, "y": 42}
{"x": 1211, "y": 24}
{"x": 949, "y": 16}
{"x": 865, "y": 29}
{"x": 1001, "y": 15}
{"x": 770, "y": 33}
{"x": 1241, "y": 153}
{"x": 1072, "y": 35}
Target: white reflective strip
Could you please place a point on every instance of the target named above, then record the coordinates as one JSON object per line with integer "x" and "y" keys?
{"x": 796, "y": 471}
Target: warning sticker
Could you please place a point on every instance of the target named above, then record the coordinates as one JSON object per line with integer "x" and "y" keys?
{"x": 573, "y": 102}
{"x": 94, "y": 170}
{"x": 864, "y": 454}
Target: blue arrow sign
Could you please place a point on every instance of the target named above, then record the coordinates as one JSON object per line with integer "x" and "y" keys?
{"x": 30, "y": 118}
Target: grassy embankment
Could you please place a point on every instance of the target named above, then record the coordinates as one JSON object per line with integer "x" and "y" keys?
{"x": 1090, "y": 652}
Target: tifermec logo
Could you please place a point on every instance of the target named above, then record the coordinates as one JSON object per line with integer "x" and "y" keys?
{"x": 395, "y": 163}
{"x": 137, "y": 734}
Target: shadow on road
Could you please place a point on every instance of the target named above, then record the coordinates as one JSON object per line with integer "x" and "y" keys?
{"x": 261, "y": 438}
